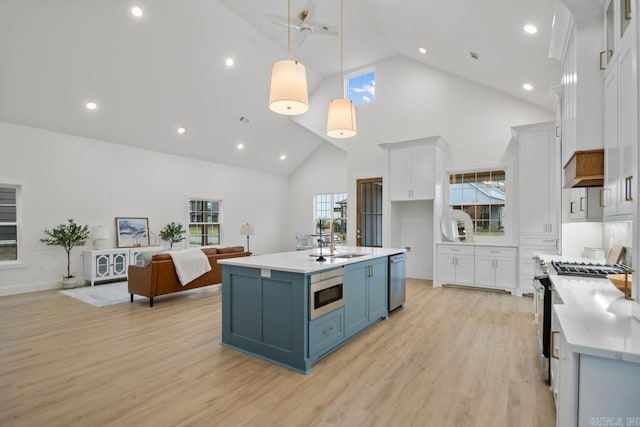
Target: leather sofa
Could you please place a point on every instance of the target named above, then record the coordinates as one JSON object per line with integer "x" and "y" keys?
{"x": 159, "y": 276}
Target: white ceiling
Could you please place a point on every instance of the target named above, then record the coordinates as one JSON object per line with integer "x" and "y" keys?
{"x": 165, "y": 70}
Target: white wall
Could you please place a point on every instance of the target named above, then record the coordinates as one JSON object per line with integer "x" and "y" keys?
{"x": 415, "y": 101}
{"x": 325, "y": 171}
{"x": 94, "y": 181}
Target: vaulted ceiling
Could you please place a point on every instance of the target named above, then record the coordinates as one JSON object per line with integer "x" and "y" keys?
{"x": 152, "y": 74}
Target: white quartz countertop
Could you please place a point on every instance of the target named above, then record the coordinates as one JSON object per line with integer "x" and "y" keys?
{"x": 595, "y": 318}
{"x": 305, "y": 261}
{"x": 497, "y": 245}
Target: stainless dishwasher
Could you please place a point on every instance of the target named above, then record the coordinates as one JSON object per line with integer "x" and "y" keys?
{"x": 397, "y": 281}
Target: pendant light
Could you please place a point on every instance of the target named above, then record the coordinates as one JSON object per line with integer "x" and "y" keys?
{"x": 288, "y": 94}
{"x": 341, "y": 120}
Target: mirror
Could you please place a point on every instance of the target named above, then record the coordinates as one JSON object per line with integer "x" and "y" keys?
{"x": 457, "y": 226}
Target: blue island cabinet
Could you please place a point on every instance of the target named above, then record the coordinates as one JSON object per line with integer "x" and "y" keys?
{"x": 265, "y": 313}
{"x": 365, "y": 294}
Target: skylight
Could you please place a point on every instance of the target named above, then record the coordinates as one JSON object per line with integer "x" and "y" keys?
{"x": 361, "y": 87}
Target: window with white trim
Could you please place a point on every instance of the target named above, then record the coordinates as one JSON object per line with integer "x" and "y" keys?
{"x": 331, "y": 206}
{"x": 204, "y": 222}
{"x": 9, "y": 222}
{"x": 361, "y": 87}
{"x": 482, "y": 195}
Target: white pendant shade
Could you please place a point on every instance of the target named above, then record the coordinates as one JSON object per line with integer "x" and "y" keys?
{"x": 288, "y": 88}
{"x": 341, "y": 120}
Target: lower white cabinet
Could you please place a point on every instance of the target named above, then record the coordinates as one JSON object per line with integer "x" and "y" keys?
{"x": 477, "y": 265}
{"x": 593, "y": 390}
{"x": 112, "y": 264}
{"x": 529, "y": 245}
{"x": 456, "y": 264}
{"x": 496, "y": 267}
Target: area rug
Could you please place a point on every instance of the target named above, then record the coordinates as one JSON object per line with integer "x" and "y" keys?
{"x": 102, "y": 295}
{"x": 117, "y": 293}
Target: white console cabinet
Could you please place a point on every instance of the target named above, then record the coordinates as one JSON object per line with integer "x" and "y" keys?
{"x": 112, "y": 264}
{"x": 486, "y": 266}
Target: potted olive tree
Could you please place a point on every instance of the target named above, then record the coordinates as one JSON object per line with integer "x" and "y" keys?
{"x": 172, "y": 233}
{"x": 68, "y": 236}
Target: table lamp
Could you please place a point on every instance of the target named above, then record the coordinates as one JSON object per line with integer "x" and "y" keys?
{"x": 100, "y": 237}
{"x": 247, "y": 229}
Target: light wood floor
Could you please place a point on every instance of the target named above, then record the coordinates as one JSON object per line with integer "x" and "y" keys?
{"x": 450, "y": 357}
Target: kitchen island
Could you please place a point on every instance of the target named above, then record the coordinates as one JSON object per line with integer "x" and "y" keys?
{"x": 272, "y": 310}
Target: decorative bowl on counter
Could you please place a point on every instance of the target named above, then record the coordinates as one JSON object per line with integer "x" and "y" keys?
{"x": 618, "y": 281}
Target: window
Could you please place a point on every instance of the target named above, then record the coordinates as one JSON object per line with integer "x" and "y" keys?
{"x": 482, "y": 196}
{"x": 204, "y": 222}
{"x": 9, "y": 222}
{"x": 334, "y": 206}
{"x": 361, "y": 87}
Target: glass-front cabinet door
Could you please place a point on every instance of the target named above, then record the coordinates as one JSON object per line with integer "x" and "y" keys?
{"x": 102, "y": 265}
{"x": 119, "y": 263}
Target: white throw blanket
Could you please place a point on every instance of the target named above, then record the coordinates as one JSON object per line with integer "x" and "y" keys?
{"x": 190, "y": 264}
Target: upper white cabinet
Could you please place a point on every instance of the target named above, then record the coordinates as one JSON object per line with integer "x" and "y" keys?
{"x": 538, "y": 180}
{"x": 411, "y": 174}
{"x": 620, "y": 110}
{"x": 574, "y": 42}
{"x": 583, "y": 204}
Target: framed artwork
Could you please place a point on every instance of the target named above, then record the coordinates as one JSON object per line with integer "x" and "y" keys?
{"x": 132, "y": 232}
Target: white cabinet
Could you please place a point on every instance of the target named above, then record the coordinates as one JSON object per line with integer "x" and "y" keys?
{"x": 538, "y": 179}
{"x": 477, "y": 265}
{"x": 456, "y": 264}
{"x": 583, "y": 204}
{"x": 411, "y": 174}
{"x": 495, "y": 267}
{"x": 621, "y": 127}
{"x": 529, "y": 245}
{"x": 112, "y": 264}
{"x": 590, "y": 390}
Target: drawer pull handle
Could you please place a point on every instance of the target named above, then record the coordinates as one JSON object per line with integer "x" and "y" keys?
{"x": 553, "y": 341}
{"x": 326, "y": 331}
{"x": 627, "y": 189}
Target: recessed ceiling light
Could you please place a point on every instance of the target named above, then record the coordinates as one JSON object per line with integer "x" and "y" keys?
{"x": 283, "y": 157}
{"x": 527, "y": 86}
{"x": 229, "y": 62}
{"x": 531, "y": 29}
{"x": 240, "y": 146}
{"x": 422, "y": 50}
{"x": 136, "y": 11}
{"x": 182, "y": 130}
{"x": 91, "y": 106}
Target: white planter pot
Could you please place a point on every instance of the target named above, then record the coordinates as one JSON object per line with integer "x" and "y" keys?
{"x": 69, "y": 282}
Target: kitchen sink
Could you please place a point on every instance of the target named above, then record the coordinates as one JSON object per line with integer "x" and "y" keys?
{"x": 347, "y": 255}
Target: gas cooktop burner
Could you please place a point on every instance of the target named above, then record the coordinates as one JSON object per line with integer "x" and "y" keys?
{"x": 586, "y": 269}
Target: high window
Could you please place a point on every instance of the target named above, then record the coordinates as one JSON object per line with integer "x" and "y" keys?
{"x": 9, "y": 222}
{"x": 361, "y": 87}
{"x": 331, "y": 207}
{"x": 482, "y": 196}
{"x": 204, "y": 222}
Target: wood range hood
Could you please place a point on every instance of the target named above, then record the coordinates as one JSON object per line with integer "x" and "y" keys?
{"x": 585, "y": 169}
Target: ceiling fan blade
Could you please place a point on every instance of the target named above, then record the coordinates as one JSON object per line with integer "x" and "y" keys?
{"x": 293, "y": 27}
{"x": 300, "y": 38}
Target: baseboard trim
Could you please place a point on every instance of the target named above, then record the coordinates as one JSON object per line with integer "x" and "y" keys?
{"x": 29, "y": 287}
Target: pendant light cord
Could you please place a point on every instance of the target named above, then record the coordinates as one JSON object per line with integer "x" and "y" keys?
{"x": 341, "y": 45}
{"x": 289, "y": 29}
